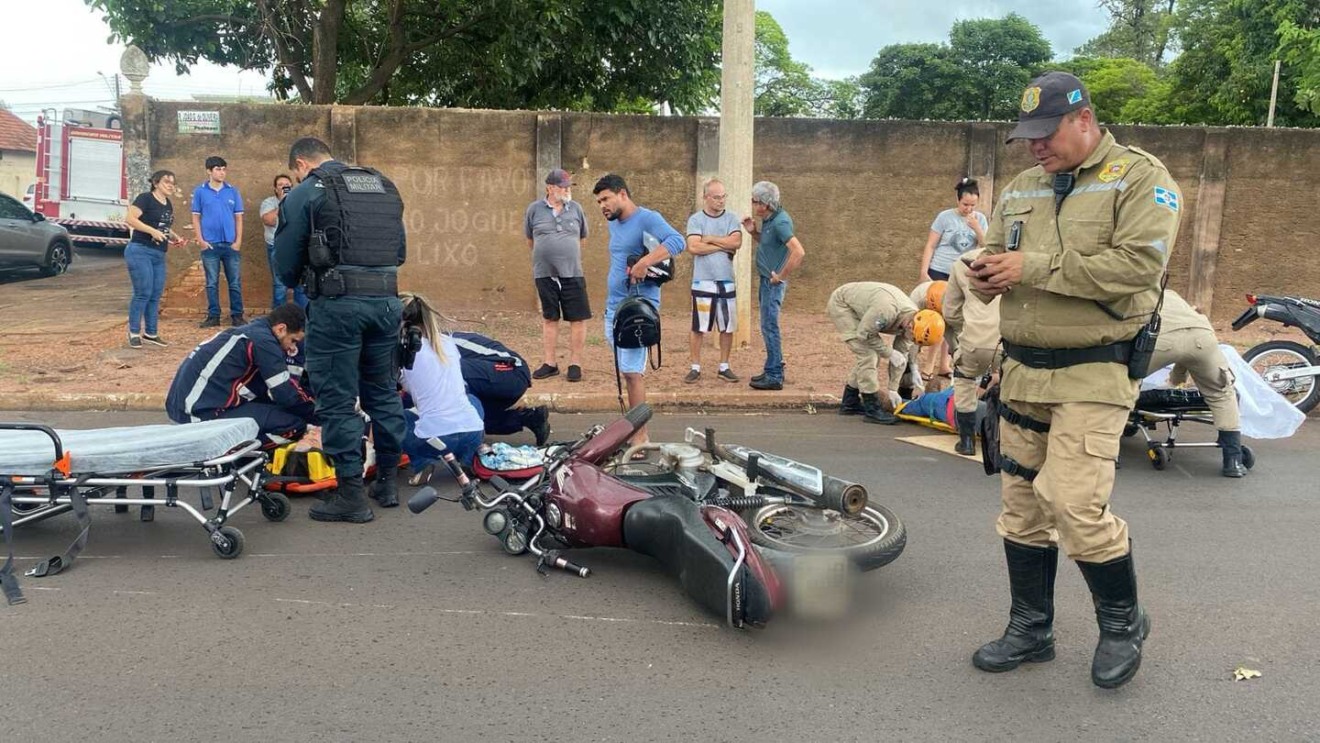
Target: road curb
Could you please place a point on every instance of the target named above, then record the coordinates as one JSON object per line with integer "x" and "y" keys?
{"x": 559, "y": 402}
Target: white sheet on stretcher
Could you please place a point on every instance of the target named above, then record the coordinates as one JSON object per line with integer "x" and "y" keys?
{"x": 105, "y": 451}
{"x": 1265, "y": 413}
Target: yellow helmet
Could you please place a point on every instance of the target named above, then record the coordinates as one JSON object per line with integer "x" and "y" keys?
{"x": 927, "y": 328}
{"x": 935, "y": 295}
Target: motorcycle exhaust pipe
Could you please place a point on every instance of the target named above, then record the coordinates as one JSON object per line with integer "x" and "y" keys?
{"x": 843, "y": 496}
{"x": 835, "y": 494}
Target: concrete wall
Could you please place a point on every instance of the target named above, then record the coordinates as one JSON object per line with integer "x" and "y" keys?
{"x": 862, "y": 194}
{"x": 17, "y": 170}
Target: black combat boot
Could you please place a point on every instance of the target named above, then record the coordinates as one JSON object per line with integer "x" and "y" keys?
{"x": 873, "y": 413}
{"x": 1231, "y": 443}
{"x": 348, "y": 503}
{"x": 1029, "y": 637}
{"x": 1123, "y": 623}
{"x": 537, "y": 420}
{"x": 851, "y": 404}
{"x": 385, "y": 489}
{"x": 966, "y": 433}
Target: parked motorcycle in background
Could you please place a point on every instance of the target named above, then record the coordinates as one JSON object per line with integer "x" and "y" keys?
{"x": 1291, "y": 368}
{"x": 748, "y": 535}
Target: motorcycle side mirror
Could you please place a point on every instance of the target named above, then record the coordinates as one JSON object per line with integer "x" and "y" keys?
{"x": 426, "y": 497}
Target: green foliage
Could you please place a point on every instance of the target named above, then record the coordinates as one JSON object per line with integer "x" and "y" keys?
{"x": 1138, "y": 29}
{"x": 1122, "y": 90}
{"x": 1224, "y": 74}
{"x": 569, "y": 54}
{"x": 980, "y": 74}
{"x": 785, "y": 86}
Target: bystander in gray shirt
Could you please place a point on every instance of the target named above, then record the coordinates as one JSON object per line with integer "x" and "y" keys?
{"x": 956, "y": 238}
{"x": 714, "y": 266}
{"x": 269, "y": 204}
{"x": 556, "y": 250}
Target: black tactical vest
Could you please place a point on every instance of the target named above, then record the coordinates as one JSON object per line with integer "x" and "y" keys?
{"x": 361, "y": 217}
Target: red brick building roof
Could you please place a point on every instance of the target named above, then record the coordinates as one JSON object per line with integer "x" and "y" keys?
{"x": 16, "y": 134}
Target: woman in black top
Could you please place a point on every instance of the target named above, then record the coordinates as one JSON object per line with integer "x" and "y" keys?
{"x": 151, "y": 216}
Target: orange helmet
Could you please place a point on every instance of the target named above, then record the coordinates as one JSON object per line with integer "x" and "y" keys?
{"x": 927, "y": 328}
{"x": 935, "y": 295}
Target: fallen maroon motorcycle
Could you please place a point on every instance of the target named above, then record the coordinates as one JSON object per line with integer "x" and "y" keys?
{"x": 747, "y": 534}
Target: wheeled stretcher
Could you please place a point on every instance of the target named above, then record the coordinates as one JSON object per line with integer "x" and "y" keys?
{"x": 1171, "y": 407}
{"x": 45, "y": 473}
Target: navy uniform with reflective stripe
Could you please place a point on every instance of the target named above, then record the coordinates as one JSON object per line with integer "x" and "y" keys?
{"x": 352, "y": 338}
{"x": 240, "y": 373}
{"x": 498, "y": 377}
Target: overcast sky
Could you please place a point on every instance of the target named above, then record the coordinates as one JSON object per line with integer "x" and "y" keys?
{"x": 55, "y": 51}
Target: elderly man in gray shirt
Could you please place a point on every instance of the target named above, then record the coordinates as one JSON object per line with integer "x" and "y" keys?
{"x": 556, "y": 230}
{"x": 713, "y": 236}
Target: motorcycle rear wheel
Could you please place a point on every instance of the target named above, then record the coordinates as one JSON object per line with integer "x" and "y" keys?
{"x": 871, "y": 539}
{"x": 1303, "y": 392}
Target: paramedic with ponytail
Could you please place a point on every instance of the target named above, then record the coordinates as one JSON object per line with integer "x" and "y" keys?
{"x": 444, "y": 416}
{"x": 630, "y": 226}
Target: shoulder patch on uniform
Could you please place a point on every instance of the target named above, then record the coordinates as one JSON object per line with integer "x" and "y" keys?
{"x": 1114, "y": 169}
{"x": 1166, "y": 197}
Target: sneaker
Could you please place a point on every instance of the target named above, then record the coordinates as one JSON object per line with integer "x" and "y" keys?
{"x": 766, "y": 384}
{"x": 210, "y": 322}
{"x": 155, "y": 340}
{"x": 545, "y": 371}
{"x": 134, "y": 341}
{"x": 537, "y": 420}
{"x": 728, "y": 375}
{"x": 759, "y": 377}
{"x": 692, "y": 376}
{"x": 574, "y": 373}
{"x": 235, "y": 320}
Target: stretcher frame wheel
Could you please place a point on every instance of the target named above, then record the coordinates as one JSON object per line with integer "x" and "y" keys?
{"x": 1159, "y": 457}
{"x": 275, "y": 506}
{"x": 227, "y": 542}
{"x": 1248, "y": 457}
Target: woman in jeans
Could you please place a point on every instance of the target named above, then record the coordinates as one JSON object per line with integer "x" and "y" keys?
{"x": 443, "y": 415}
{"x": 151, "y": 215}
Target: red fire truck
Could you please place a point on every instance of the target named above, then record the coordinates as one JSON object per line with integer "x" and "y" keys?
{"x": 82, "y": 181}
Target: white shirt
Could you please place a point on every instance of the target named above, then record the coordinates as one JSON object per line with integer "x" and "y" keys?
{"x": 439, "y": 394}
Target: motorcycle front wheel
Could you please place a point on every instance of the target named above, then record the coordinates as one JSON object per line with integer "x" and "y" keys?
{"x": 871, "y": 539}
{"x": 1302, "y": 392}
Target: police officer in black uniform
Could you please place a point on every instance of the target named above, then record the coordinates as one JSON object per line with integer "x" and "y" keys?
{"x": 341, "y": 236}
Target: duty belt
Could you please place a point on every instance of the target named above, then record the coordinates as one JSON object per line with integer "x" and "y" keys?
{"x": 365, "y": 284}
{"x": 1059, "y": 358}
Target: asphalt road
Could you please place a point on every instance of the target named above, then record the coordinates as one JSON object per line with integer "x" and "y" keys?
{"x": 36, "y": 305}
{"x": 421, "y": 628}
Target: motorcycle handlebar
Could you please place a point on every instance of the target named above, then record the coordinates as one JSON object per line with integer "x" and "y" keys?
{"x": 423, "y": 499}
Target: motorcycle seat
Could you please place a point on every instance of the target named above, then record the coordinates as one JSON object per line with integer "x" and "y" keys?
{"x": 671, "y": 529}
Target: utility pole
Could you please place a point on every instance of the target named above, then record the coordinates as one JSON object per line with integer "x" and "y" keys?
{"x": 736, "y": 134}
{"x": 1274, "y": 96}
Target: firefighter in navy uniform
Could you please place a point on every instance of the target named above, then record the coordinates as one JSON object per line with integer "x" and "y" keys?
{"x": 1075, "y": 251}
{"x": 341, "y": 236}
{"x": 498, "y": 377}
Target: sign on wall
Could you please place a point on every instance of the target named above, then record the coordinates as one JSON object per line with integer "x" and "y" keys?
{"x": 199, "y": 122}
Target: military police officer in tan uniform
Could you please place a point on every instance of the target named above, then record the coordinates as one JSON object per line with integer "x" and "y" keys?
{"x": 972, "y": 329}
{"x": 1187, "y": 340}
{"x": 1076, "y": 250}
{"x": 862, "y": 311}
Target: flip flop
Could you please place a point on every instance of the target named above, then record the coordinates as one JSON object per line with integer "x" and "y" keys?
{"x": 422, "y": 476}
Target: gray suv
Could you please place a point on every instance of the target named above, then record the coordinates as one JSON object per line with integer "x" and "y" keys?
{"x": 27, "y": 240}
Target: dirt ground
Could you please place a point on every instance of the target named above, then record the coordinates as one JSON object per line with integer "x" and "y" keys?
{"x": 67, "y": 335}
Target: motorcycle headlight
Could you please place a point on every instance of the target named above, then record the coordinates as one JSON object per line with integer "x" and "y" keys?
{"x": 553, "y": 515}
{"x": 495, "y": 521}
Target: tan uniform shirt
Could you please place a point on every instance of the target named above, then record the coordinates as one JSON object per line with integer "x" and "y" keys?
{"x": 1176, "y": 314}
{"x": 876, "y": 303}
{"x": 972, "y": 324}
{"x": 1108, "y": 244}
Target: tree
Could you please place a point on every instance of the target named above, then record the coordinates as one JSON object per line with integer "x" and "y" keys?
{"x": 1120, "y": 88}
{"x": 1138, "y": 29}
{"x": 980, "y": 74}
{"x": 1224, "y": 73}
{"x": 1002, "y": 54}
{"x": 786, "y": 87}
{"x": 573, "y": 54}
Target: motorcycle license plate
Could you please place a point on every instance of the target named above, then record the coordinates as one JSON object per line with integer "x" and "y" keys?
{"x": 821, "y": 585}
